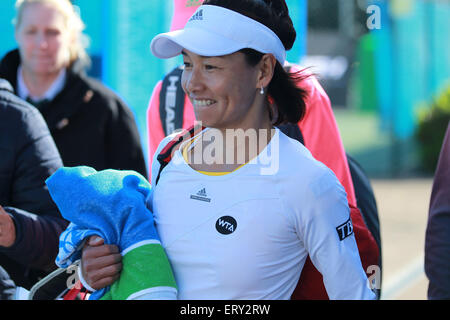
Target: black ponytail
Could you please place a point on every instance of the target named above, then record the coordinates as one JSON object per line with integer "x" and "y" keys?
{"x": 283, "y": 91}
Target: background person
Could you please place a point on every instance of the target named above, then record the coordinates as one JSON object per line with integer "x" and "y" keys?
{"x": 90, "y": 124}
{"x": 437, "y": 240}
{"x": 30, "y": 223}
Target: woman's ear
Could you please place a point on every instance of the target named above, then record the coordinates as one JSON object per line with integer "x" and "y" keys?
{"x": 266, "y": 70}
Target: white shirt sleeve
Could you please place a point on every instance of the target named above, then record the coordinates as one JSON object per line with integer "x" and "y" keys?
{"x": 325, "y": 227}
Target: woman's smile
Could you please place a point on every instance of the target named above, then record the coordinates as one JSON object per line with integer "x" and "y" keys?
{"x": 202, "y": 103}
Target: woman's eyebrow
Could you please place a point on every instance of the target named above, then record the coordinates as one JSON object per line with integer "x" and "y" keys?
{"x": 184, "y": 53}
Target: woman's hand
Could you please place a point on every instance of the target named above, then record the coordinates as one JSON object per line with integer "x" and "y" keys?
{"x": 100, "y": 263}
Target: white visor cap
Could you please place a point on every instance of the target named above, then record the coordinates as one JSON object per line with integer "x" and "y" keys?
{"x": 216, "y": 31}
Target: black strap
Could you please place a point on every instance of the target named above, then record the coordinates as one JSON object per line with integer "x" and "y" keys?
{"x": 171, "y": 102}
{"x": 292, "y": 130}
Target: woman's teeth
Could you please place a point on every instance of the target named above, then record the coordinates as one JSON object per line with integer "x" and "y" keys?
{"x": 203, "y": 103}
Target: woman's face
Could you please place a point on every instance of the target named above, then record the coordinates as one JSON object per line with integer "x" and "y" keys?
{"x": 223, "y": 90}
{"x": 43, "y": 39}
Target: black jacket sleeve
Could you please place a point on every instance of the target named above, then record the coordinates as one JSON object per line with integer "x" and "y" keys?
{"x": 37, "y": 220}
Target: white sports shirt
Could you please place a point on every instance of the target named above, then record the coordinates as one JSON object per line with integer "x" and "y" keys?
{"x": 246, "y": 235}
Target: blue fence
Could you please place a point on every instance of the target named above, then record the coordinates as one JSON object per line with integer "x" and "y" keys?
{"x": 412, "y": 52}
{"x": 412, "y": 55}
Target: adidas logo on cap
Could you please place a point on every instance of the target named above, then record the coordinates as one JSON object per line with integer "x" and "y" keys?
{"x": 197, "y": 16}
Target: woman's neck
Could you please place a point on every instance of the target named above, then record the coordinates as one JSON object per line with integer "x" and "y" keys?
{"x": 224, "y": 150}
{"x": 38, "y": 84}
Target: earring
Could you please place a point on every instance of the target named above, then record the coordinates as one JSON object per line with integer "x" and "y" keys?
{"x": 262, "y": 91}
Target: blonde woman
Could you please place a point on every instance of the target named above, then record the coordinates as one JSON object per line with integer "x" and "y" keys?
{"x": 90, "y": 124}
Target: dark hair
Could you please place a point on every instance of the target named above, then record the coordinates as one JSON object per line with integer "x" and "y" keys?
{"x": 283, "y": 91}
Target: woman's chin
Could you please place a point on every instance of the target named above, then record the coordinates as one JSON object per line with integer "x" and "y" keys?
{"x": 45, "y": 68}
{"x": 208, "y": 118}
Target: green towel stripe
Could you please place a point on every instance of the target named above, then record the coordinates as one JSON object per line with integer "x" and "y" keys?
{"x": 144, "y": 267}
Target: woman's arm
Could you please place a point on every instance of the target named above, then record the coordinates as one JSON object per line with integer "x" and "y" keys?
{"x": 325, "y": 228}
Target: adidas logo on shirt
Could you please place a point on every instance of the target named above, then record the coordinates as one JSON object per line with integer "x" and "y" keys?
{"x": 201, "y": 195}
{"x": 197, "y": 16}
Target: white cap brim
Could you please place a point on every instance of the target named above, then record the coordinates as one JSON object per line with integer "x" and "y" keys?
{"x": 198, "y": 41}
{"x": 216, "y": 31}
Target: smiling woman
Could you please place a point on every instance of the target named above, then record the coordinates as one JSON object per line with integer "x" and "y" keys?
{"x": 232, "y": 231}
{"x": 214, "y": 86}
{"x": 90, "y": 124}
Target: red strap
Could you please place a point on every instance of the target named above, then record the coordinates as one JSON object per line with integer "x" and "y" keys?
{"x": 75, "y": 291}
{"x": 166, "y": 153}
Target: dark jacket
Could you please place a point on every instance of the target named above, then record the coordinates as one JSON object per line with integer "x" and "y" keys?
{"x": 90, "y": 124}
{"x": 437, "y": 239}
{"x": 28, "y": 157}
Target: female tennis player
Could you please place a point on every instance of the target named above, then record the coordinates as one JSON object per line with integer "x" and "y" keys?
{"x": 240, "y": 206}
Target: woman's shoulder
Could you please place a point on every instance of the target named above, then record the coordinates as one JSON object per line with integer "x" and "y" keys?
{"x": 298, "y": 164}
{"x": 155, "y": 163}
{"x": 305, "y": 180}
{"x": 294, "y": 153}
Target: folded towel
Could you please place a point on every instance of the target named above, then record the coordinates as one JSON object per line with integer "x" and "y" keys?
{"x": 111, "y": 205}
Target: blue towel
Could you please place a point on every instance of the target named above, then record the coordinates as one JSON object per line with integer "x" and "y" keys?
{"x": 111, "y": 205}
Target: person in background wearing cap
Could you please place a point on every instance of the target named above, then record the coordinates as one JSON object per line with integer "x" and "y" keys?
{"x": 244, "y": 228}
{"x": 89, "y": 123}
{"x": 318, "y": 128}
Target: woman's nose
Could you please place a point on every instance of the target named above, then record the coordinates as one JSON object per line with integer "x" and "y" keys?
{"x": 41, "y": 40}
{"x": 193, "y": 81}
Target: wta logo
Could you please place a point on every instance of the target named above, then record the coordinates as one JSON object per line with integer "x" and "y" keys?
{"x": 226, "y": 225}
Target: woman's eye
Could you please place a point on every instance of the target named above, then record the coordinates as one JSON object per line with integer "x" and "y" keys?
{"x": 187, "y": 65}
{"x": 52, "y": 32}
{"x": 210, "y": 67}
